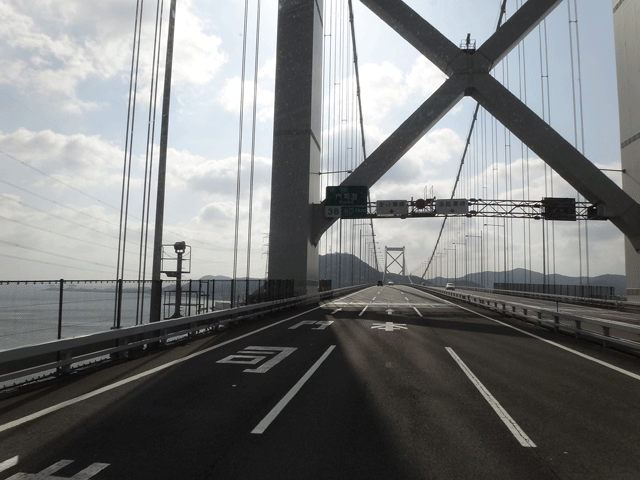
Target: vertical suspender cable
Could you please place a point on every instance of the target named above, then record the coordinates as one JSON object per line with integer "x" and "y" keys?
{"x": 126, "y": 173}
{"x": 239, "y": 173}
{"x": 578, "y": 118}
{"x": 144, "y": 227}
{"x": 253, "y": 145}
{"x": 475, "y": 114}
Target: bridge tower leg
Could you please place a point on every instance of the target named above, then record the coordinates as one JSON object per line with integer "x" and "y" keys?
{"x": 295, "y": 183}
{"x": 626, "y": 20}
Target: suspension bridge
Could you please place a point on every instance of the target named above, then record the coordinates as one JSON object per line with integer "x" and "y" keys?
{"x": 322, "y": 371}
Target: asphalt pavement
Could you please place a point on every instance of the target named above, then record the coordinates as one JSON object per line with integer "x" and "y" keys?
{"x": 390, "y": 382}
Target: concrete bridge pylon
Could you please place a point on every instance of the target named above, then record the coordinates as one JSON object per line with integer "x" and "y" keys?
{"x": 295, "y": 183}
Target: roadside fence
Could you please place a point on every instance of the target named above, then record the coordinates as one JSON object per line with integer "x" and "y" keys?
{"x": 45, "y": 310}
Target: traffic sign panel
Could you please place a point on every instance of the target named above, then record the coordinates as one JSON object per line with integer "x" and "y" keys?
{"x": 392, "y": 207}
{"x": 349, "y": 196}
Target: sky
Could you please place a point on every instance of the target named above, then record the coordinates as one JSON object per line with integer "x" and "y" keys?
{"x": 66, "y": 130}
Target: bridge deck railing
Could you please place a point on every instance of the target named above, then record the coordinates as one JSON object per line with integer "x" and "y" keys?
{"x": 59, "y": 356}
{"x": 608, "y": 332}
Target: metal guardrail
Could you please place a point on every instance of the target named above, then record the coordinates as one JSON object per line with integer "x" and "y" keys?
{"x": 556, "y": 320}
{"x": 595, "y": 302}
{"x": 62, "y": 354}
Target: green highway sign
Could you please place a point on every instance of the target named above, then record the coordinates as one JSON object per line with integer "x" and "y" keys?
{"x": 349, "y": 196}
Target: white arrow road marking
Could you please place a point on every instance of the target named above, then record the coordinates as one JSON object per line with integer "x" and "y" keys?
{"x": 389, "y": 312}
{"x": 517, "y": 432}
{"x": 271, "y": 416}
{"x": 7, "y": 464}
{"x": 323, "y": 324}
{"x": 390, "y": 326}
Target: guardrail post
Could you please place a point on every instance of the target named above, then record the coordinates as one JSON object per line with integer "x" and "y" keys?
{"x": 606, "y": 331}
{"x": 556, "y": 323}
{"x": 64, "y": 369}
{"x": 578, "y": 327}
{"x": 119, "y": 304}
{"x": 60, "y": 309}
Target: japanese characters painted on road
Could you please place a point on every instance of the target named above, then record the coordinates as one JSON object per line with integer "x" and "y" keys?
{"x": 47, "y": 473}
{"x": 454, "y": 206}
{"x": 322, "y": 324}
{"x": 254, "y": 355}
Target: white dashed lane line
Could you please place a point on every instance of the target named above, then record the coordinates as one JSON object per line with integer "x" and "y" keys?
{"x": 515, "y": 429}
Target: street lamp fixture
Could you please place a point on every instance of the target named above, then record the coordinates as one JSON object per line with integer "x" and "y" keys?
{"x": 337, "y": 171}
{"x": 481, "y": 256}
{"x": 504, "y": 225}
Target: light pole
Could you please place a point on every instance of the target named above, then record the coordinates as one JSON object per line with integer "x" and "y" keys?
{"x": 465, "y": 258}
{"x": 328, "y": 173}
{"x": 481, "y": 256}
{"x": 454, "y": 264}
{"x": 505, "y": 245}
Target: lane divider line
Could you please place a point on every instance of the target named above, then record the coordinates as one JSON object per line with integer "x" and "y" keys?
{"x": 511, "y": 424}
{"x": 133, "y": 378}
{"x": 271, "y": 416}
{"x": 567, "y": 349}
{"x": 7, "y": 464}
{"x": 417, "y": 311}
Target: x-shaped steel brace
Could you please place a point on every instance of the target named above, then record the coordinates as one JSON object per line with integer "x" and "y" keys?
{"x": 468, "y": 73}
{"x": 394, "y": 260}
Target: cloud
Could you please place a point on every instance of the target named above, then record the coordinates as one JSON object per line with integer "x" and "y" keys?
{"x": 52, "y": 49}
{"x": 77, "y": 159}
{"x": 230, "y": 99}
{"x": 386, "y": 88}
{"x": 422, "y": 164}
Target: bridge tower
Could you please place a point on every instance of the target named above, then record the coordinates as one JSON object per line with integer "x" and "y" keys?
{"x": 295, "y": 183}
{"x": 626, "y": 23}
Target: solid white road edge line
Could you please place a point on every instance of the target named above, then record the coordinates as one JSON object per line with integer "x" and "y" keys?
{"x": 271, "y": 416}
{"x": 517, "y": 432}
{"x": 86, "y": 396}
{"x": 575, "y": 352}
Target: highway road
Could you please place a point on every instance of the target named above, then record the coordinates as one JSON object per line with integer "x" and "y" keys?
{"x": 386, "y": 383}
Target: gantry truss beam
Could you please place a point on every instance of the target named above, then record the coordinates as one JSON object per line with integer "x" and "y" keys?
{"x": 534, "y": 210}
{"x": 469, "y": 74}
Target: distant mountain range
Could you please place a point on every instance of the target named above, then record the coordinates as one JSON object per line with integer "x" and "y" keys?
{"x": 353, "y": 266}
{"x": 346, "y": 269}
